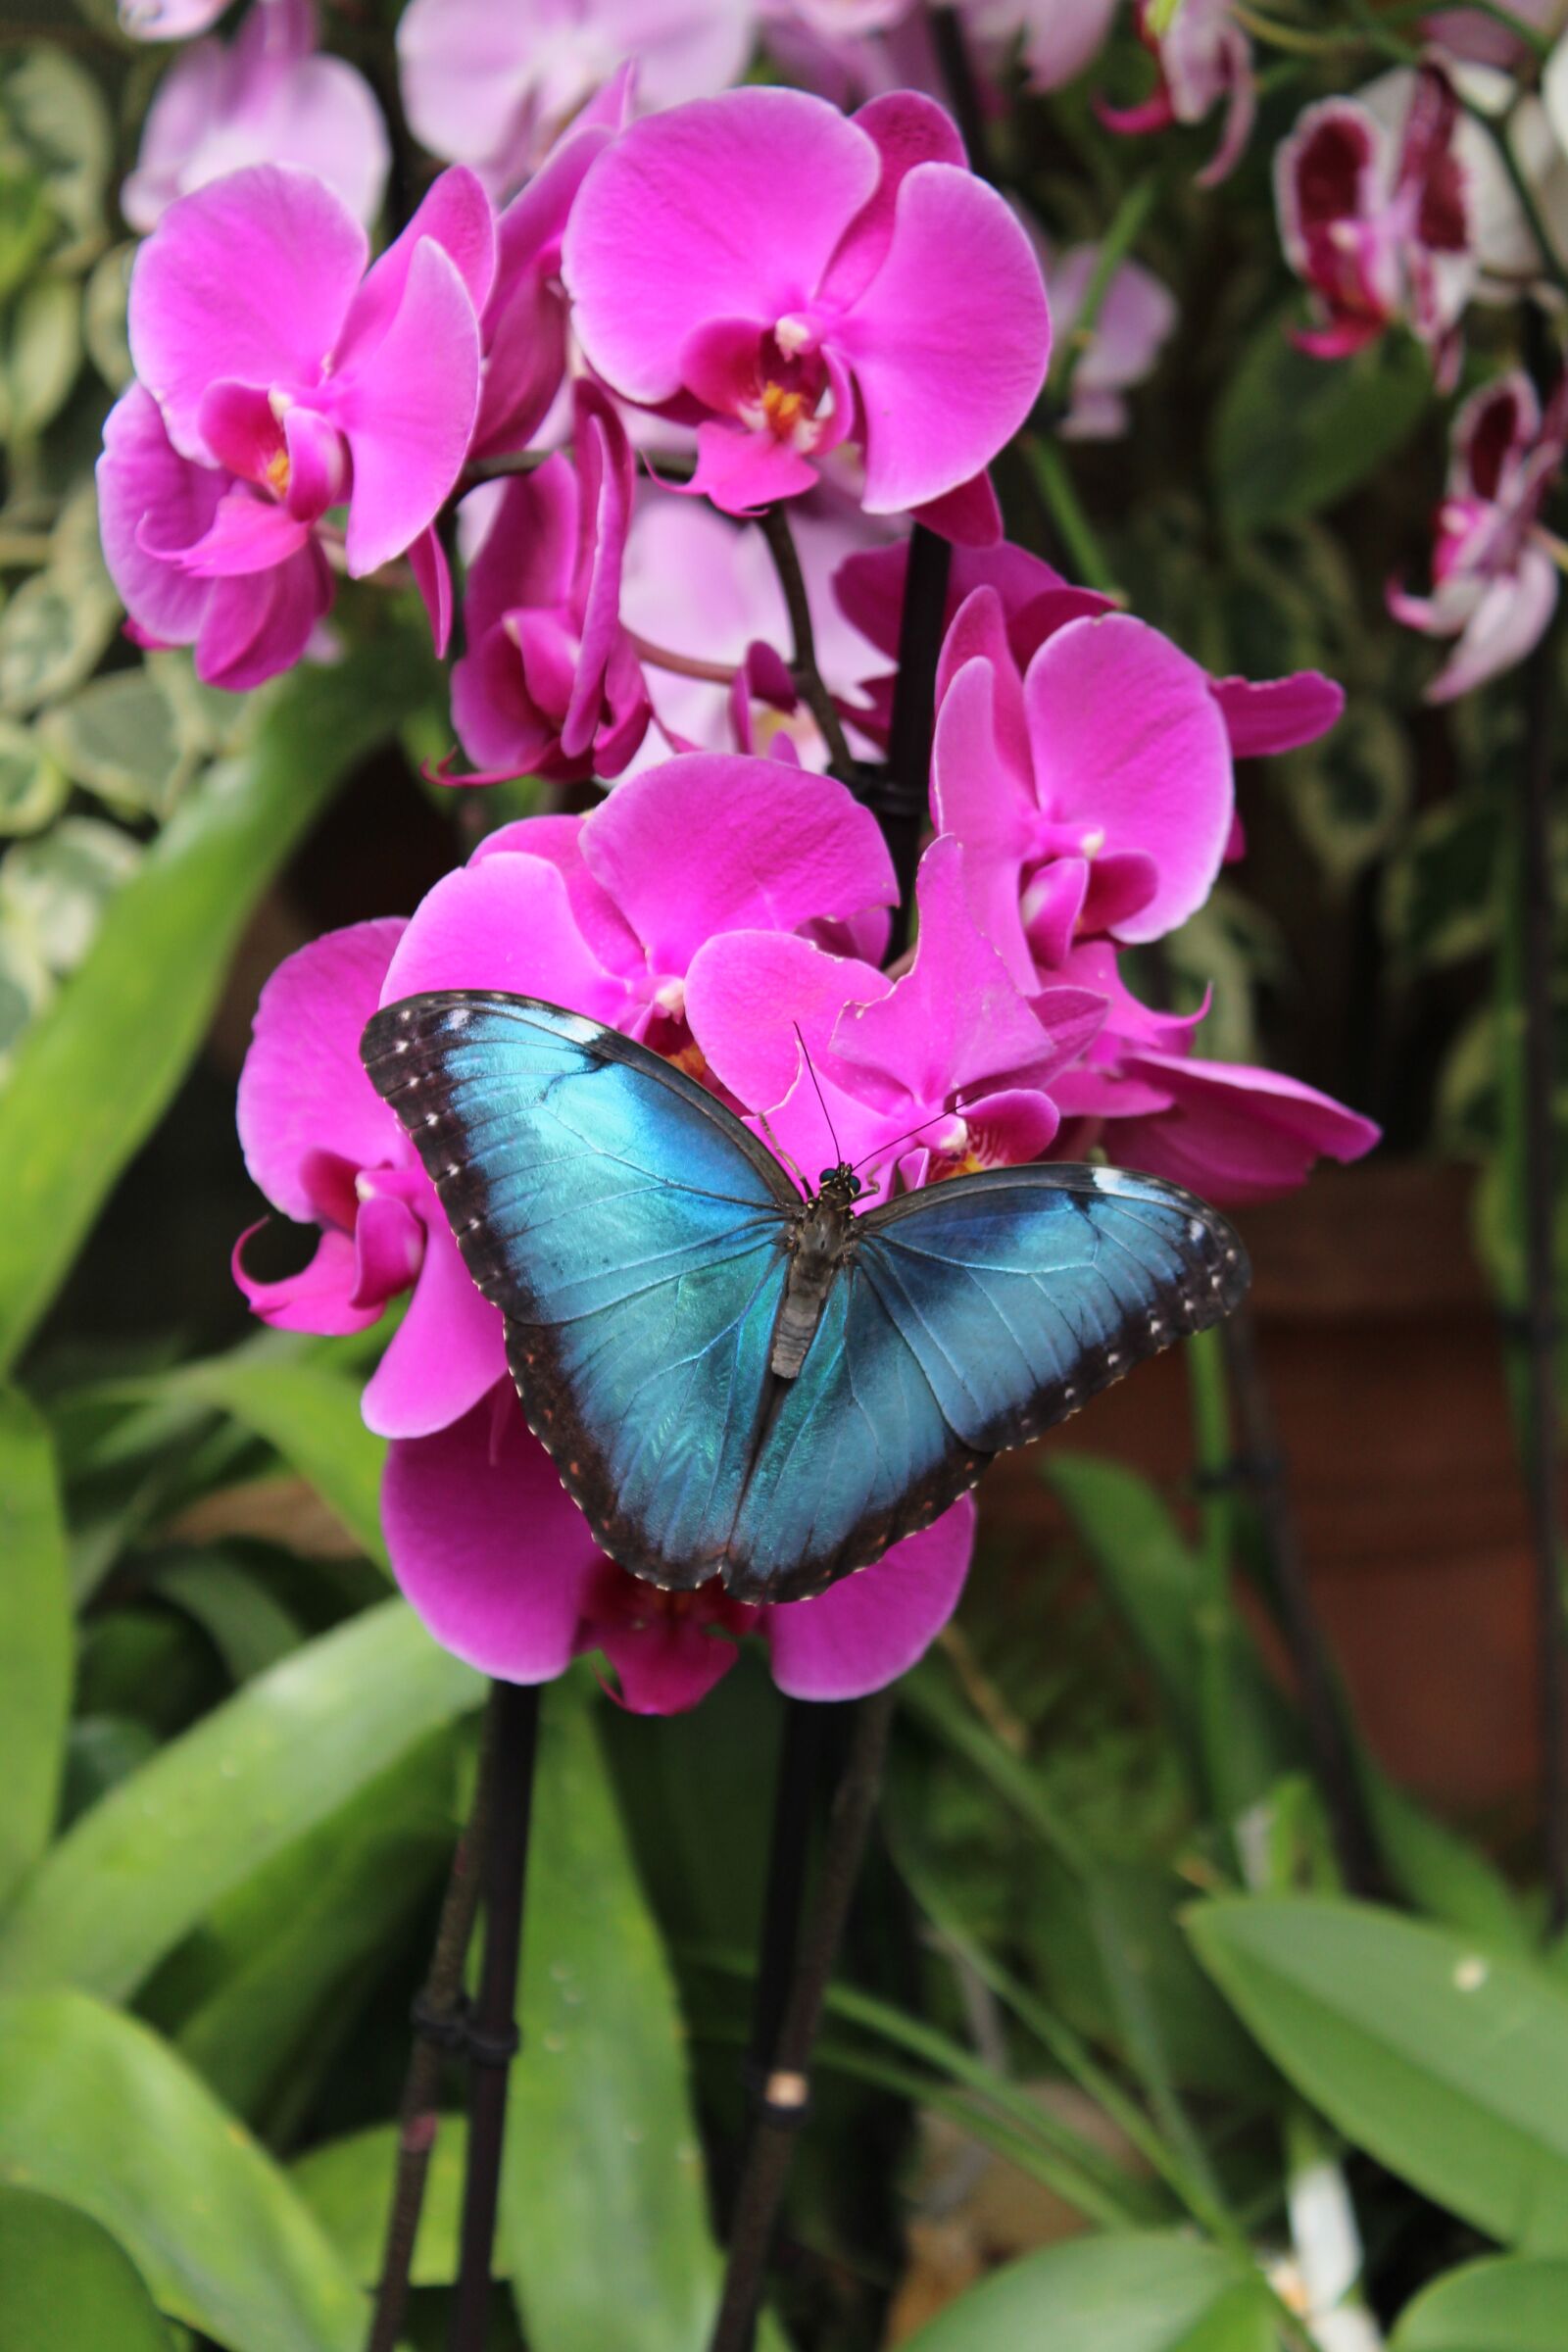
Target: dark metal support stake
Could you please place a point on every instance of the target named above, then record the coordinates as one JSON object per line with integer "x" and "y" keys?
{"x": 902, "y": 801}
{"x": 492, "y": 2038}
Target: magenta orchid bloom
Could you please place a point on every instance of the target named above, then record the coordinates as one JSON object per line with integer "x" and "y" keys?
{"x": 265, "y": 97}
{"x": 703, "y": 591}
{"x": 606, "y": 912}
{"x": 492, "y": 87}
{"x": 1137, "y": 319}
{"x": 550, "y": 684}
{"x": 1094, "y": 794}
{"x": 320, "y": 1142}
{"x": 500, "y": 1566}
{"x": 1379, "y": 224}
{"x": 940, "y": 1072}
{"x": 1228, "y": 1131}
{"x": 306, "y": 382}
{"x": 1205, "y": 60}
{"x": 792, "y": 281}
{"x": 1493, "y": 570}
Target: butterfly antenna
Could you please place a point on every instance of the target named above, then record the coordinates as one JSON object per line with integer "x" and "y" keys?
{"x": 787, "y": 1157}
{"x": 838, "y": 1152}
{"x": 879, "y": 1149}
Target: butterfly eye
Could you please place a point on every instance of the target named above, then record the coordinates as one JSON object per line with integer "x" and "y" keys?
{"x": 856, "y": 1187}
{"x": 825, "y": 1175}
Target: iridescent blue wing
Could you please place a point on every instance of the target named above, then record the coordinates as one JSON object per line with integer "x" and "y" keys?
{"x": 632, "y": 1233}
{"x": 969, "y": 1318}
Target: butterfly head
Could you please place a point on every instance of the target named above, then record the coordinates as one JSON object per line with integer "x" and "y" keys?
{"x": 840, "y": 1185}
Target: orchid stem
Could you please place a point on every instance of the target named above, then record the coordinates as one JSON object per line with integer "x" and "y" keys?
{"x": 1126, "y": 228}
{"x": 808, "y": 684}
{"x": 438, "y": 2030}
{"x": 681, "y": 666}
{"x": 902, "y": 801}
{"x": 785, "y": 2091}
{"x": 1073, "y": 526}
{"x": 500, "y": 470}
{"x": 491, "y": 2037}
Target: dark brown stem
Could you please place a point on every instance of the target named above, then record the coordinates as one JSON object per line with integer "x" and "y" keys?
{"x": 438, "y": 2025}
{"x": 499, "y": 469}
{"x": 492, "y": 2038}
{"x": 1333, "y": 1757}
{"x": 1539, "y": 1385}
{"x": 902, "y": 801}
{"x": 785, "y": 2090}
{"x": 809, "y": 682}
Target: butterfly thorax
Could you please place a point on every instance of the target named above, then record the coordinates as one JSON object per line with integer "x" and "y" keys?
{"x": 819, "y": 1240}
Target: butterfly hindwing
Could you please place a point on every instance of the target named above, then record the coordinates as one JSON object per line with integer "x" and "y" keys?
{"x": 630, "y": 1230}
{"x": 972, "y": 1316}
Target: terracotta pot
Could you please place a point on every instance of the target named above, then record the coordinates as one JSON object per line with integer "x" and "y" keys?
{"x": 1383, "y": 1353}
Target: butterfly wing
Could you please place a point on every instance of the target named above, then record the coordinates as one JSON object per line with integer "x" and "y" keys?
{"x": 632, "y": 1233}
{"x": 970, "y": 1318}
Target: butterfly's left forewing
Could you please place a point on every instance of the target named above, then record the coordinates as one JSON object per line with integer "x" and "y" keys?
{"x": 631, "y": 1232}
{"x": 972, "y": 1316}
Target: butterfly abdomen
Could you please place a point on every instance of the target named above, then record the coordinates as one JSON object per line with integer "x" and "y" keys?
{"x": 817, "y": 1245}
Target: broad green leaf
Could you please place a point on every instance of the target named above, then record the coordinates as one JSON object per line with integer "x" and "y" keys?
{"x": 50, "y": 635}
{"x": 1350, "y": 794}
{"x": 96, "y": 2111}
{"x": 40, "y": 357}
{"x": 120, "y": 738}
{"x": 1442, "y": 900}
{"x": 312, "y": 1415}
{"x": 95, "y": 1072}
{"x": 1508, "y": 2305}
{"x": 347, "y": 2183}
{"x": 1110, "y": 2294}
{"x": 54, "y": 890}
{"x": 149, "y": 1862}
{"x": 103, "y": 316}
{"x": 1291, "y": 433}
{"x": 1434, "y": 1869}
{"x": 26, "y": 986}
{"x": 246, "y": 1625}
{"x": 64, "y": 2281}
{"x": 1445, "y": 2058}
{"x": 32, "y": 787}
{"x": 602, "y": 2149}
{"x": 35, "y": 1638}
{"x": 53, "y": 112}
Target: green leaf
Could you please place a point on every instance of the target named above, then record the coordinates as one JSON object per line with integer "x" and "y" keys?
{"x": 35, "y": 1639}
{"x": 312, "y": 1415}
{"x": 52, "y": 110}
{"x": 32, "y": 787}
{"x": 1443, "y": 2057}
{"x": 103, "y": 316}
{"x": 602, "y": 2149}
{"x": 1110, "y": 2294}
{"x": 40, "y": 357}
{"x": 1442, "y": 902}
{"x": 50, "y": 635}
{"x": 347, "y": 2183}
{"x": 1350, "y": 794}
{"x": 150, "y": 1861}
{"x": 1291, "y": 433}
{"x": 63, "y": 2281}
{"x": 1434, "y": 1868}
{"x": 94, "y": 1073}
{"x": 120, "y": 738}
{"x": 96, "y": 2111}
{"x": 54, "y": 890}
{"x": 247, "y": 1626}
{"x": 1506, "y": 2305}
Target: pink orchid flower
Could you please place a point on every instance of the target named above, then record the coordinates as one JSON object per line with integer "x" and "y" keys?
{"x": 1137, "y": 319}
{"x": 1379, "y": 224}
{"x": 550, "y": 684}
{"x": 942, "y": 1071}
{"x": 1205, "y": 60}
{"x": 265, "y": 97}
{"x": 1094, "y": 794}
{"x": 303, "y": 382}
{"x": 493, "y": 87}
{"x": 606, "y": 912}
{"x": 500, "y": 1564}
{"x": 703, "y": 591}
{"x": 322, "y": 1146}
{"x": 1056, "y": 39}
{"x": 1466, "y": 34}
{"x": 792, "y": 281}
{"x": 1493, "y": 568}
{"x": 1232, "y": 1133}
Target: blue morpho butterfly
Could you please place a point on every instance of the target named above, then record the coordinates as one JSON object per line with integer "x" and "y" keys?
{"x": 737, "y": 1381}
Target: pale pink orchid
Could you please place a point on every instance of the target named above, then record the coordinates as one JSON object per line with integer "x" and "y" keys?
{"x": 1205, "y": 60}
{"x": 1056, "y": 39}
{"x": 1229, "y": 1131}
{"x": 1380, "y": 223}
{"x": 791, "y": 281}
{"x": 1474, "y": 38}
{"x": 550, "y": 683}
{"x": 494, "y": 87}
{"x": 947, "y": 1069}
{"x": 1495, "y": 569}
{"x": 500, "y": 1564}
{"x": 1137, "y": 317}
{"x": 289, "y": 380}
{"x": 169, "y": 20}
{"x": 265, "y": 97}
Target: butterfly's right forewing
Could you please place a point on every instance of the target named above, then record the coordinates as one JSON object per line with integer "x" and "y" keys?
{"x": 632, "y": 1234}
